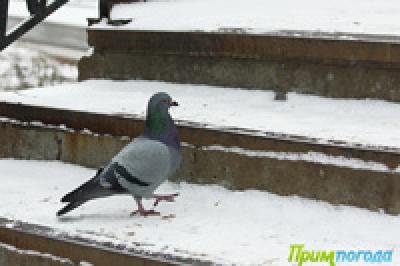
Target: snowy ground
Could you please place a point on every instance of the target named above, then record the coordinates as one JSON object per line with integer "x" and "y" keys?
{"x": 369, "y": 122}
{"x": 74, "y": 13}
{"x": 206, "y": 222}
{"x": 63, "y": 34}
{"x": 23, "y": 67}
{"x": 254, "y": 16}
{"x": 259, "y": 16}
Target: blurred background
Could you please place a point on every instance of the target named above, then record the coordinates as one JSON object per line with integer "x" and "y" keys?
{"x": 49, "y": 53}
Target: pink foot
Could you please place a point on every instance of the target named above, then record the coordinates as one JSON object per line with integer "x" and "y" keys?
{"x": 169, "y": 198}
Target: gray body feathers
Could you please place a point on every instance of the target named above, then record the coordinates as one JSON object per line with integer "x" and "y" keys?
{"x": 150, "y": 161}
{"x": 147, "y": 163}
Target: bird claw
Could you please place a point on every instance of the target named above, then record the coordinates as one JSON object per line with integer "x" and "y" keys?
{"x": 169, "y": 198}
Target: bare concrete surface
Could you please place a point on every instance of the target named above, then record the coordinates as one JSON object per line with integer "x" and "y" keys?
{"x": 312, "y": 65}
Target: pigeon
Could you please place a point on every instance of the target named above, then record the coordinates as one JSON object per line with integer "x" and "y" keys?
{"x": 141, "y": 166}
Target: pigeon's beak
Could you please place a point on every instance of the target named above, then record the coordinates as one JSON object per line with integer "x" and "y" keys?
{"x": 173, "y": 103}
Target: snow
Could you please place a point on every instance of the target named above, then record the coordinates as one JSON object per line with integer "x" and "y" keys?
{"x": 315, "y": 157}
{"x": 252, "y": 16}
{"x": 261, "y": 16}
{"x": 368, "y": 122}
{"x": 74, "y": 13}
{"x": 62, "y": 261}
{"x": 24, "y": 67}
{"x": 206, "y": 222}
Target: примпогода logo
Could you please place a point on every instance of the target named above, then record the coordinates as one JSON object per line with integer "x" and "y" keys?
{"x": 300, "y": 255}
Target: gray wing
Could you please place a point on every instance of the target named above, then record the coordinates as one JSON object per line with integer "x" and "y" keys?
{"x": 144, "y": 165}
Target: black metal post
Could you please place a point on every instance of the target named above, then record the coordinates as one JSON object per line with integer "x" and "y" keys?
{"x": 3, "y": 17}
{"x": 104, "y": 12}
{"x": 35, "y": 6}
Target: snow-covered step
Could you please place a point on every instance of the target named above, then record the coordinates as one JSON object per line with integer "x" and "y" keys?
{"x": 206, "y": 223}
{"x": 43, "y": 244}
{"x": 362, "y": 123}
{"x": 259, "y": 16}
{"x": 342, "y": 175}
{"x": 341, "y": 66}
{"x": 211, "y": 137}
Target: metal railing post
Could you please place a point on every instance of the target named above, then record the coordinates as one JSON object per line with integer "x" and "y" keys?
{"x": 3, "y": 17}
{"x": 35, "y": 6}
{"x": 104, "y": 12}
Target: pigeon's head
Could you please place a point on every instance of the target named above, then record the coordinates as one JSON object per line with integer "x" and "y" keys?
{"x": 161, "y": 101}
{"x": 159, "y": 123}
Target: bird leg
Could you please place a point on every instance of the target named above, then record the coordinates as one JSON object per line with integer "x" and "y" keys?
{"x": 141, "y": 211}
{"x": 169, "y": 198}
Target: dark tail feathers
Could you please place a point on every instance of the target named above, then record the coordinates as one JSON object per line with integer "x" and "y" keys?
{"x": 85, "y": 192}
{"x": 69, "y": 207}
{"x": 78, "y": 196}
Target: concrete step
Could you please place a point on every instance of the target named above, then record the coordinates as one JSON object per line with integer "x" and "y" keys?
{"x": 339, "y": 173}
{"x": 322, "y": 64}
{"x": 35, "y": 245}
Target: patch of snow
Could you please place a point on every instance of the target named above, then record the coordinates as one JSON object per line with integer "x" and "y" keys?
{"x": 59, "y": 52}
{"x": 61, "y": 127}
{"x": 85, "y": 263}
{"x": 315, "y": 157}
{"x": 368, "y": 122}
{"x": 74, "y": 13}
{"x": 22, "y": 68}
{"x": 260, "y": 16}
{"x": 34, "y": 253}
{"x": 206, "y": 222}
